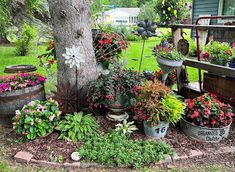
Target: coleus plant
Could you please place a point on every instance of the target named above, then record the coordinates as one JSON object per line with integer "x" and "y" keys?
{"x": 208, "y": 111}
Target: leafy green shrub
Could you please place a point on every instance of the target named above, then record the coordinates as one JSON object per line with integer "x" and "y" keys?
{"x": 173, "y": 108}
{"x": 25, "y": 40}
{"x": 114, "y": 149}
{"x": 37, "y": 119}
{"x": 77, "y": 127}
{"x": 220, "y": 53}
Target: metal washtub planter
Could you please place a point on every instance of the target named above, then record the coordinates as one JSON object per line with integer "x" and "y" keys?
{"x": 205, "y": 134}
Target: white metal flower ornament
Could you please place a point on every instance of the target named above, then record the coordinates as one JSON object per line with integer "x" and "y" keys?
{"x": 74, "y": 57}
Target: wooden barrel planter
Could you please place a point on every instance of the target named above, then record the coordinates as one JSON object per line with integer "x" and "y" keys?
{"x": 16, "y": 99}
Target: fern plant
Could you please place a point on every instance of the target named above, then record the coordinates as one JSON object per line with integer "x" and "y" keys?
{"x": 77, "y": 127}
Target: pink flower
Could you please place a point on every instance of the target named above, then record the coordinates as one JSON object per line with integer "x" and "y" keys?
{"x": 17, "y": 112}
{"x": 52, "y": 117}
{"x": 31, "y": 103}
{"x": 195, "y": 114}
{"x": 32, "y": 123}
{"x": 59, "y": 113}
{"x": 233, "y": 45}
{"x": 26, "y": 111}
{"x": 40, "y": 120}
{"x": 17, "y": 116}
{"x": 213, "y": 122}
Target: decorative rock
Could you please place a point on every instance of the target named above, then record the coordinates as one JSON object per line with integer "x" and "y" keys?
{"x": 75, "y": 156}
{"x": 167, "y": 159}
{"x": 23, "y": 157}
{"x": 195, "y": 153}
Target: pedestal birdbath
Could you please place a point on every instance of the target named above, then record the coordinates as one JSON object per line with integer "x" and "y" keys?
{"x": 168, "y": 66}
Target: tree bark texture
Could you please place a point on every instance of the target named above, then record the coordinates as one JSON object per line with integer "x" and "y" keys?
{"x": 71, "y": 25}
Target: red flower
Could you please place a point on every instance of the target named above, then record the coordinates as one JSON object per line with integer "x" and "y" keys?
{"x": 213, "y": 122}
{"x": 233, "y": 45}
{"x": 195, "y": 114}
{"x": 205, "y": 55}
{"x": 229, "y": 52}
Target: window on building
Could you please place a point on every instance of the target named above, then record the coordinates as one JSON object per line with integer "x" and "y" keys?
{"x": 227, "y": 7}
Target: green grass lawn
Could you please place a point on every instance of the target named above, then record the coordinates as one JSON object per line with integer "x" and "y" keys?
{"x": 132, "y": 56}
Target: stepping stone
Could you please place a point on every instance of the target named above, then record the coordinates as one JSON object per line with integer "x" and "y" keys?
{"x": 23, "y": 157}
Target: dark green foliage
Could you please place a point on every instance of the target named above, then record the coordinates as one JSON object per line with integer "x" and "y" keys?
{"x": 114, "y": 149}
{"x": 77, "y": 127}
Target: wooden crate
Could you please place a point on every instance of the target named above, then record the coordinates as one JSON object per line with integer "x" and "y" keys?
{"x": 222, "y": 86}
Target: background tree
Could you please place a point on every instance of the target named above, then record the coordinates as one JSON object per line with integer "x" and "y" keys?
{"x": 147, "y": 11}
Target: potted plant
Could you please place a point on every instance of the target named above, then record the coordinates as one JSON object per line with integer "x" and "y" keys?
{"x": 219, "y": 53}
{"x": 157, "y": 107}
{"x": 168, "y": 59}
{"x": 114, "y": 89}
{"x": 207, "y": 119}
{"x": 172, "y": 11}
{"x": 37, "y": 119}
{"x": 170, "y": 80}
{"x": 18, "y": 90}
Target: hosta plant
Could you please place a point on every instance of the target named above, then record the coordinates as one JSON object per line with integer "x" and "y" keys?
{"x": 208, "y": 111}
{"x": 37, "y": 119}
{"x": 126, "y": 128}
{"x": 77, "y": 126}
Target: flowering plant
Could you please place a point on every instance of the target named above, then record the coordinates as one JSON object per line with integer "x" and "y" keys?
{"x": 171, "y": 11}
{"x": 171, "y": 78}
{"x": 50, "y": 56}
{"x": 37, "y": 119}
{"x": 167, "y": 52}
{"x": 19, "y": 81}
{"x": 109, "y": 45}
{"x": 208, "y": 111}
{"x": 155, "y": 103}
{"x": 218, "y": 53}
{"x": 117, "y": 82}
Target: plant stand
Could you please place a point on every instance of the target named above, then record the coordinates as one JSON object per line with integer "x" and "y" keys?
{"x": 168, "y": 66}
{"x": 117, "y": 115}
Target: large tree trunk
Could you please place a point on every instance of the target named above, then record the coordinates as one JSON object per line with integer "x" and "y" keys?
{"x": 71, "y": 25}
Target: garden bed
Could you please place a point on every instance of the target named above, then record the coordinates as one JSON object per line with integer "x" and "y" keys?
{"x": 49, "y": 148}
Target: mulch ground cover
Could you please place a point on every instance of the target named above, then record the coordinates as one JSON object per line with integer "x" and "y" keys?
{"x": 50, "y": 148}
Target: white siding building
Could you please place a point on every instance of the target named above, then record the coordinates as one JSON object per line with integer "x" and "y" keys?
{"x": 121, "y": 16}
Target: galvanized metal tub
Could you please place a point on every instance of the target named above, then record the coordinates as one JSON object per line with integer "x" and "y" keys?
{"x": 157, "y": 131}
{"x": 205, "y": 134}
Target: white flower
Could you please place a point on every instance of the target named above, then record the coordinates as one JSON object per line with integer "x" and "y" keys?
{"x": 73, "y": 57}
{"x": 17, "y": 112}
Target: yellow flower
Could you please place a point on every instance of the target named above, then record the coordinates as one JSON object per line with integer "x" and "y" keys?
{"x": 169, "y": 8}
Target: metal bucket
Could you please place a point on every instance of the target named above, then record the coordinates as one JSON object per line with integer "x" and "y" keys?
{"x": 157, "y": 131}
{"x": 205, "y": 134}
